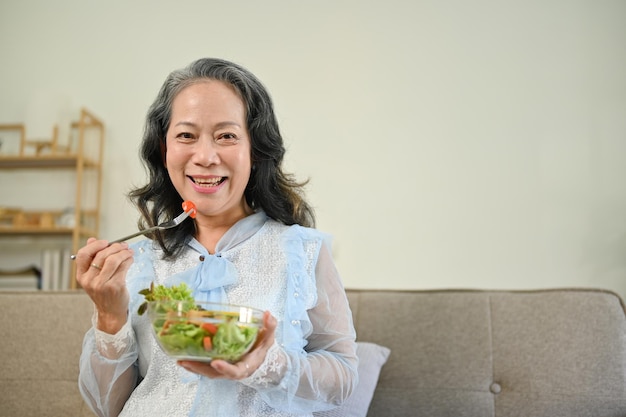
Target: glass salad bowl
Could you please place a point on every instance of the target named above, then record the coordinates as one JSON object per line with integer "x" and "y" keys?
{"x": 204, "y": 331}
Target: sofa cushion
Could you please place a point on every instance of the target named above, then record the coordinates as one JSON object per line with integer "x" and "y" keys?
{"x": 543, "y": 353}
{"x": 372, "y": 357}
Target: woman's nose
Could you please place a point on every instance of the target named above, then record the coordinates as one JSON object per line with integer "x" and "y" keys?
{"x": 206, "y": 153}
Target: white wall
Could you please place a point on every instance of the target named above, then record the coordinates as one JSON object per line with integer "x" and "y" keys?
{"x": 449, "y": 143}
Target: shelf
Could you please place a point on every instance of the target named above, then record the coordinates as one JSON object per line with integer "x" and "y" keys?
{"x": 83, "y": 156}
{"x": 43, "y": 161}
{"x": 37, "y": 230}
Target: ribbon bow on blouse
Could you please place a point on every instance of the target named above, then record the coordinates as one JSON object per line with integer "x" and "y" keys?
{"x": 214, "y": 272}
{"x": 216, "y": 397}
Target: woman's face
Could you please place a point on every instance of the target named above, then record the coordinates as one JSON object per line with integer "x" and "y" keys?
{"x": 208, "y": 149}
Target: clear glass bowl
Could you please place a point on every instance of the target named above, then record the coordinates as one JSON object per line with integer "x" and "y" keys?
{"x": 204, "y": 331}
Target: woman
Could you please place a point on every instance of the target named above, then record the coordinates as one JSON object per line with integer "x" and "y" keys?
{"x": 212, "y": 138}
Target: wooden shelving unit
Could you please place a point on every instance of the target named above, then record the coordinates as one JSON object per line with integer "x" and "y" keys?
{"x": 83, "y": 156}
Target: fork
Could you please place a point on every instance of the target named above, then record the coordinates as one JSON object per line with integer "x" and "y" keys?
{"x": 165, "y": 225}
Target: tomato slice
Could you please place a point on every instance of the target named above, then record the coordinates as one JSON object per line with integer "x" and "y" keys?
{"x": 206, "y": 343}
{"x": 209, "y": 327}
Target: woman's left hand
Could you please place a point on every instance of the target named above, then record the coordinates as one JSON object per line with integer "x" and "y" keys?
{"x": 247, "y": 365}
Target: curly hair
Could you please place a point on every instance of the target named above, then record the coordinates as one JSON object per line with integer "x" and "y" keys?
{"x": 269, "y": 188}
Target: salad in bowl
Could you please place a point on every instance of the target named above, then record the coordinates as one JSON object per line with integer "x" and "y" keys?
{"x": 199, "y": 331}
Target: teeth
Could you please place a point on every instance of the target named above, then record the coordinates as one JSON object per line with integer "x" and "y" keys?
{"x": 208, "y": 181}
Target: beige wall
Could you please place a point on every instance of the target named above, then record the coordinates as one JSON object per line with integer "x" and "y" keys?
{"x": 449, "y": 143}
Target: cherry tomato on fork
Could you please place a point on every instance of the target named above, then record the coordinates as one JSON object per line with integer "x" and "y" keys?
{"x": 190, "y": 208}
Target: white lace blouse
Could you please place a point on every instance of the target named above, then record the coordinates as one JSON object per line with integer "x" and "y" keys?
{"x": 261, "y": 263}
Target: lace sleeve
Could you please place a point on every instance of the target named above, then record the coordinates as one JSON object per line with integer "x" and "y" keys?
{"x": 112, "y": 346}
{"x": 107, "y": 369}
{"x": 324, "y": 373}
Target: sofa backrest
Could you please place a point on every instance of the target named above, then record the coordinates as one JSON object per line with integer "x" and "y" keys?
{"x": 453, "y": 353}
{"x": 505, "y": 353}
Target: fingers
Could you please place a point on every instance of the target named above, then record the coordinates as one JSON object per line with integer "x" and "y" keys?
{"x": 247, "y": 365}
{"x": 109, "y": 260}
{"x": 99, "y": 260}
{"x": 202, "y": 368}
{"x": 101, "y": 271}
{"x": 219, "y": 369}
{"x": 85, "y": 255}
{"x": 265, "y": 339}
{"x": 269, "y": 326}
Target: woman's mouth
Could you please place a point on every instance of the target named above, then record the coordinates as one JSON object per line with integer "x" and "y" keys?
{"x": 208, "y": 182}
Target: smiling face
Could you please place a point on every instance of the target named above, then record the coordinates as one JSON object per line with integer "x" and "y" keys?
{"x": 208, "y": 150}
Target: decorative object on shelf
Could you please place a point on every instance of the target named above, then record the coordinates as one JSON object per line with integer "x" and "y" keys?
{"x": 20, "y": 218}
{"x": 40, "y": 146}
{"x": 8, "y": 216}
{"x": 66, "y": 219}
{"x": 45, "y": 129}
{"x": 12, "y": 138}
{"x": 24, "y": 279}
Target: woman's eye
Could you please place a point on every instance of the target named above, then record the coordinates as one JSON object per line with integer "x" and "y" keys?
{"x": 227, "y": 137}
{"x": 184, "y": 135}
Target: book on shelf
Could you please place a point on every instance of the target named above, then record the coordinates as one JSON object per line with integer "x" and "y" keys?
{"x": 66, "y": 269}
{"x": 46, "y": 269}
{"x": 55, "y": 269}
{"x": 24, "y": 279}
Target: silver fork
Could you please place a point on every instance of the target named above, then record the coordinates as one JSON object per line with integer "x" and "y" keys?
{"x": 165, "y": 225}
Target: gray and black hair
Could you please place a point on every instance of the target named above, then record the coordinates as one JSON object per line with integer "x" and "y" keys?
{"x": 268, "y": 188}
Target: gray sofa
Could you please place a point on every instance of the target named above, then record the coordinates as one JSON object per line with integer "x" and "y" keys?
{"x": 454, "y": 353}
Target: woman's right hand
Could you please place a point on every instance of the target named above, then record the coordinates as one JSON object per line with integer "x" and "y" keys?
{"x": 101, "y": 271}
